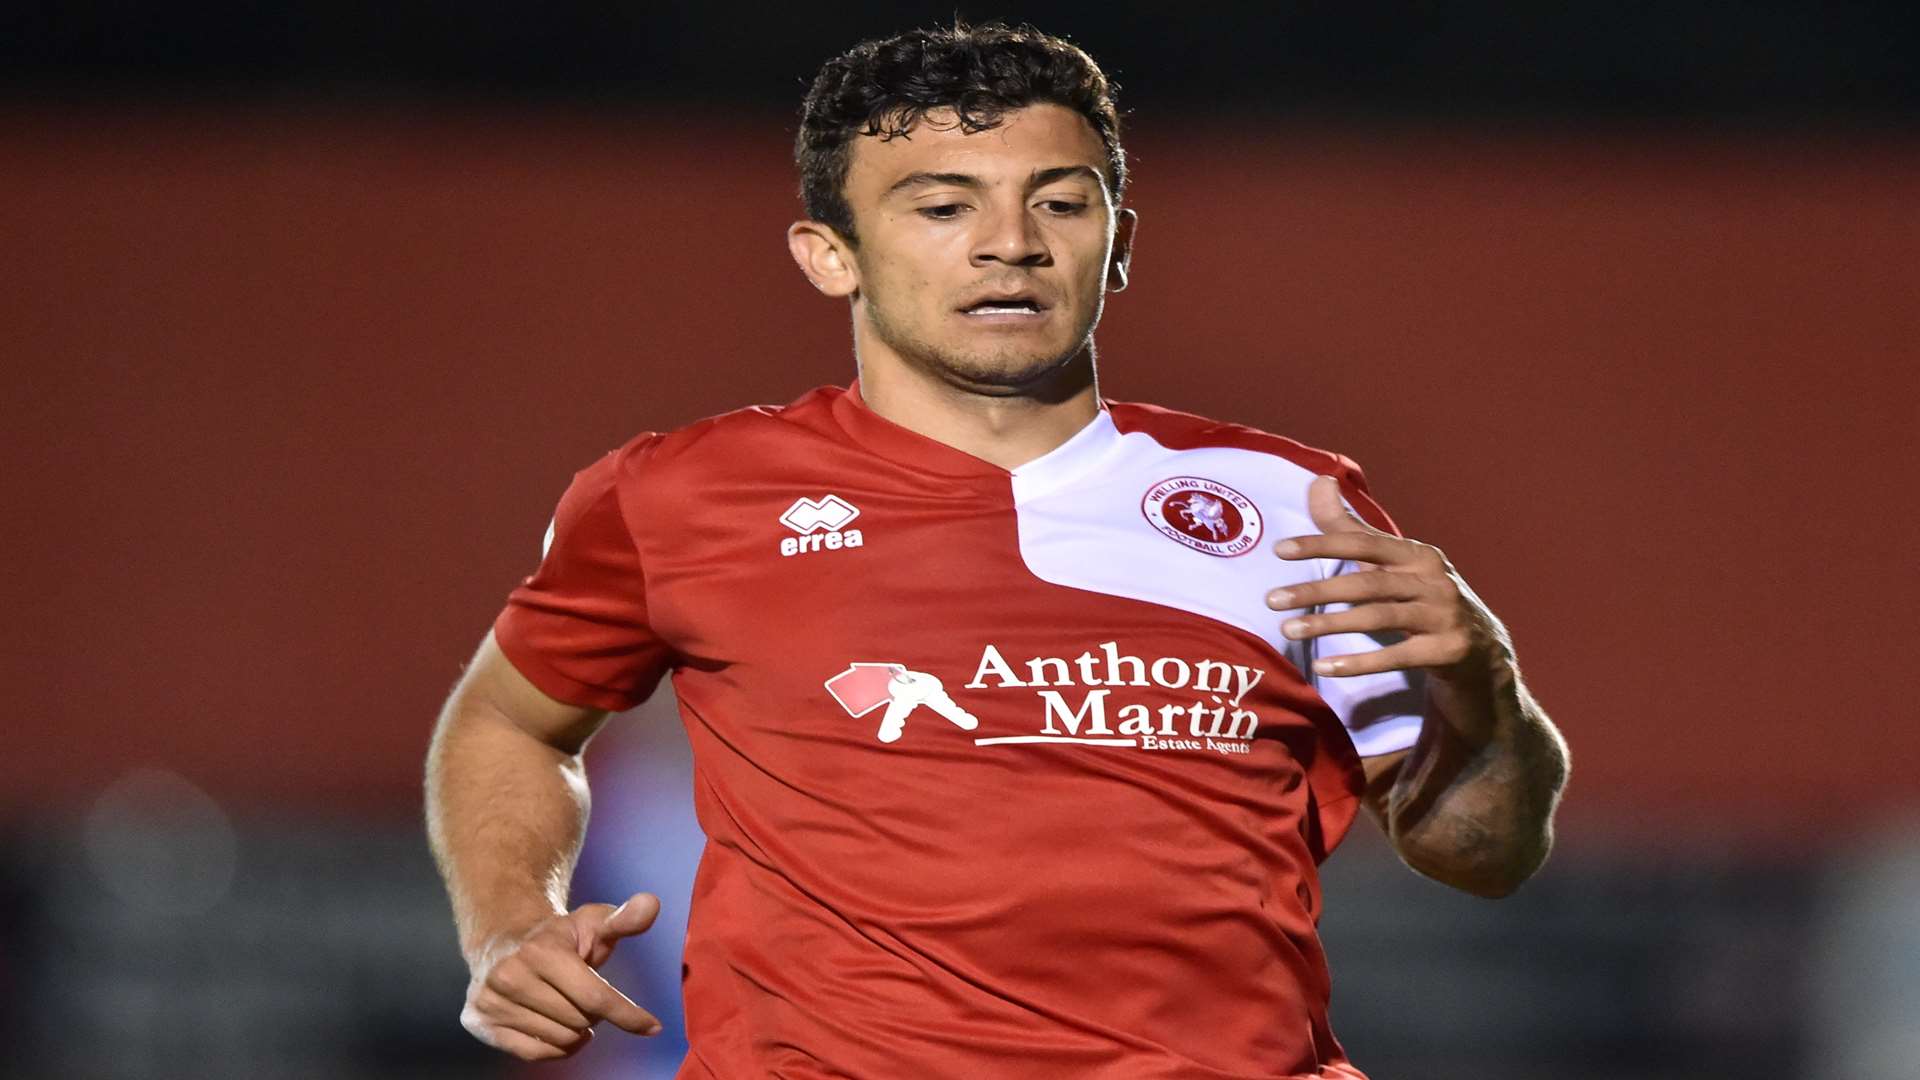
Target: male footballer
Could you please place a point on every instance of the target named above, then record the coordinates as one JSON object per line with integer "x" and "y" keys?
{"x": 1021, "y": 719}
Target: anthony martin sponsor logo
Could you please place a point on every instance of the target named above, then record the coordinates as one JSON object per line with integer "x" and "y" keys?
{"x": 1091, "y": 699}
{"x": 1214, "y": 720}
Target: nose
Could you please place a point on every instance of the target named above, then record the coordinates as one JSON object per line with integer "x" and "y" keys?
{"x": 1012, "y": 237}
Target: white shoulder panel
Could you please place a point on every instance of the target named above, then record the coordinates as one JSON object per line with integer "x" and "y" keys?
{"x": 1097, "y": 514}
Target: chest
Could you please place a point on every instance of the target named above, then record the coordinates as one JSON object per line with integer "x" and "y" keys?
{"x": 912, "y": 616}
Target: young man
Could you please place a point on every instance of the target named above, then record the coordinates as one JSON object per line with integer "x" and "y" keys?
{"x": 1021, "y": 720}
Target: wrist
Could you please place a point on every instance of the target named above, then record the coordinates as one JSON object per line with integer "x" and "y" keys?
{"x": 1480, "y": 700}
{"x": 501, "y": 932}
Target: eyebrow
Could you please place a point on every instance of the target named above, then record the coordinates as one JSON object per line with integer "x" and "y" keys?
{"x": 1039, "y": 178}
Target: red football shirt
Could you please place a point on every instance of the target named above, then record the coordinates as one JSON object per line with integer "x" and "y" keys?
{"x": 1003, "y": 774}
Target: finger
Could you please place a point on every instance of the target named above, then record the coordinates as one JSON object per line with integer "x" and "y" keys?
{"x": 564, "y": 987}
{"x": 1324, "y": 505}
{"x": 518, "y": 1043}
{"x": 527, "y": 981}
{"x": 523, "y": 1046}
{"x": 1370, "y": 547}
{"x": 1365, "y": 587}
{"x": 502, "y": 1014}
{"x": 601, "y": 1000}
{"x": 1413, "y": 618}
{"x": 1424, "y": 651}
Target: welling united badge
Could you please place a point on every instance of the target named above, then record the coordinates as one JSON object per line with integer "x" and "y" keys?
{"x": 1204, "y": 515}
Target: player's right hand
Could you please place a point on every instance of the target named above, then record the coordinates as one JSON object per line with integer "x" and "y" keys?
{"x": 537, "y": 996}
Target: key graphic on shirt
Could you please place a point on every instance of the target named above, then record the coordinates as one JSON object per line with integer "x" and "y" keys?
{"x": 912, "y": 689}
{"x": 863, "y": 688}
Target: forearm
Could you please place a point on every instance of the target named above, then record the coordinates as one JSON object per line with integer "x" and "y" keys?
{"x": 1473, "y": 803}
{"x": 506, "y": 813}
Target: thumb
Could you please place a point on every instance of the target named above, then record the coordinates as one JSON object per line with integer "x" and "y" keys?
{"x": 630, "y": 918}
{"x": 600, "y": 927}
{"x": 1329, "y": 513}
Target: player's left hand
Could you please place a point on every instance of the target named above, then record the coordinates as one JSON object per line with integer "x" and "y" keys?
{"x": 1409, "y": 590}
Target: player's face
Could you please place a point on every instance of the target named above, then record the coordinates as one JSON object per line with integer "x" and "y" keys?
{"x": 984, "y": 258}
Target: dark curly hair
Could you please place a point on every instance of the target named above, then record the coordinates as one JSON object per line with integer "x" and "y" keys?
{"x": 886, "y": 88}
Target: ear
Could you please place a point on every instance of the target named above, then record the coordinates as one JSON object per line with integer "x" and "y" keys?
{"x": 824, "y": 257}
{"x": 1122, "y": 258}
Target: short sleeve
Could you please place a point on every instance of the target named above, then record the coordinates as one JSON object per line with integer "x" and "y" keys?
{"x": 577, "y": 628}
{"x": 1383, "y": 711}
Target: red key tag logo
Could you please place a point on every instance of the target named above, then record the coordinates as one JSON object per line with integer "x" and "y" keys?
{"x": 862, "y": 688}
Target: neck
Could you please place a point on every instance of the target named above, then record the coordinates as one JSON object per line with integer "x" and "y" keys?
{"x": 1008, "y": 430}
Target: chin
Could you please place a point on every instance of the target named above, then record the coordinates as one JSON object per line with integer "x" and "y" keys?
{"x": 1008, "y": 367}
{"x": 1017, "y": 373}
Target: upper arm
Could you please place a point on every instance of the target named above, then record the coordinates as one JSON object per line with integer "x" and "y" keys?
{"x": 1382, "y": 771}
{"x": 493, "y": 685}
{"x": 579, "y": 628}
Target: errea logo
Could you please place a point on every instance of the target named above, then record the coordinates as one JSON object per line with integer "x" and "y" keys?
{"x": 822, "y": 524}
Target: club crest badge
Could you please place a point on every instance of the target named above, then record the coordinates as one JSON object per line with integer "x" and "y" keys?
{"x": 1204, "y": 515}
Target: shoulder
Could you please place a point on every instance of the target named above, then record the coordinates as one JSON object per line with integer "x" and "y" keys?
{"x": 1177, "y": 430}
{"x": 1181, "y": 431}
{"x": 727, "y": 440}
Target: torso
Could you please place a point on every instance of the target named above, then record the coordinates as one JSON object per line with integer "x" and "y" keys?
{"x": 1085, "y": 842}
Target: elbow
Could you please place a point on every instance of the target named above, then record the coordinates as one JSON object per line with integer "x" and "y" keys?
{"x": 1498, "y": 883}
{"x": 1487, "y": 869}
{"x": 1487, "y": 840}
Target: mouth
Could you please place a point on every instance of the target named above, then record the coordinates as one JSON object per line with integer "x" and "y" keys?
{"x": 1014, "y": 307}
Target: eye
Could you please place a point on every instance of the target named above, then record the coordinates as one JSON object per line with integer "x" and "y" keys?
{"x": 942, "y": 211}
{"x": 1063, "y": 207}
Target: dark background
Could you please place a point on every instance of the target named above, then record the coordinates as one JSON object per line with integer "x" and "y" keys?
{"x": 312, "y": 309}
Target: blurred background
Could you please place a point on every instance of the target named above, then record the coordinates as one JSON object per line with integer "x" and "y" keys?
{"x": 311, "y": 310}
